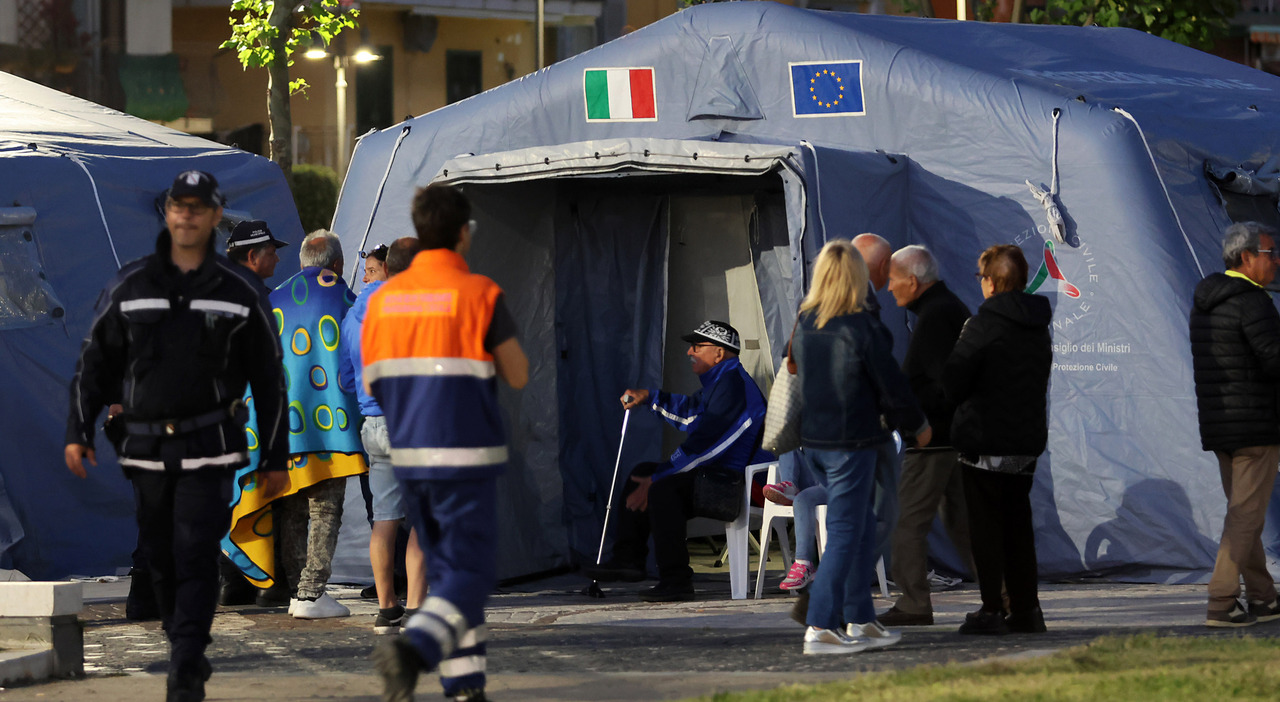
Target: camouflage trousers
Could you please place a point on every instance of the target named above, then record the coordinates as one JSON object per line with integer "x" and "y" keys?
{"x": 308, "y": 521}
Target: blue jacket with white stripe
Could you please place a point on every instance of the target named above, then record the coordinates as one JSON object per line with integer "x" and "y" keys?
{"x": 724, "y": 420}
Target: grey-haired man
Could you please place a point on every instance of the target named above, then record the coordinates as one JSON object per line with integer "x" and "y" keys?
{"x": 723, "y": 419}
{"x": 1235, "y": 349}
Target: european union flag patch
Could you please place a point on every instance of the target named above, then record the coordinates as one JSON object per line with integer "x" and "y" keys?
{"x": 826, "y": 88}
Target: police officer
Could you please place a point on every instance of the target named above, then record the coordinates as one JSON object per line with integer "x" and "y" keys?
{"x": 252, "y": 245}
{"x": 177, "y": 335}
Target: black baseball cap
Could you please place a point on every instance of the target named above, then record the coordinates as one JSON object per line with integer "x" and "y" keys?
{"x": 198, "y": 184}
{"x": 252, "y": 233}
{"x": 718, "y": 333}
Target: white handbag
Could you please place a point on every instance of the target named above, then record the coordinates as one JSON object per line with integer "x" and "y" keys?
{"x": 782, "y": 417}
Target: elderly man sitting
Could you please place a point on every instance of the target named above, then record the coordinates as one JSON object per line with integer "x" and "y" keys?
{"x": 723, "y": 419}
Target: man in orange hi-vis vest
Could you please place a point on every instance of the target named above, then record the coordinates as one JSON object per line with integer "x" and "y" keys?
{"x": 435, "y": 340}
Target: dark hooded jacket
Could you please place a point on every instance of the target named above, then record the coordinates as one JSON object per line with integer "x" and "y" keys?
{"x": 998, "y": 377}
{"x": 1235, "y": 350}
{"x": 940, "y": 316}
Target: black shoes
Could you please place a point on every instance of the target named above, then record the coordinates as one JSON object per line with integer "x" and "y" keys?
{"x": 236, "y": 591}
{"x": 187, "y": 687}
{"x": 897, "y": 617}
{"x": 390, "y": 621}
{"x": 984, "y": 623}
{"x": 399, "y": 665}
{"x": 274, "y": 596}
{"x": 471, "y": 696}
{"x": 1030, "y": 622}
{"x": 615, "y": 571}
{"x": 402, "y": 589}
{"x": 668, "y": 592}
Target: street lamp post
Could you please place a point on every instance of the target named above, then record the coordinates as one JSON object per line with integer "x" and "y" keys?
{"x": 340, "y": 93}
{"x": 341, "y": 63}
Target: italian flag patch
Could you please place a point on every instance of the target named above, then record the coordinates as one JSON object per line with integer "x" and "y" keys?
{"x": 619, "y": 95}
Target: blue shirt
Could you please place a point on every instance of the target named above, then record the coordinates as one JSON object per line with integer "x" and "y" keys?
{"x": 352, "y": 368}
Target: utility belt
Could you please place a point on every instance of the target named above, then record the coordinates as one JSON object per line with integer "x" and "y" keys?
{"x": 119, "y": 427}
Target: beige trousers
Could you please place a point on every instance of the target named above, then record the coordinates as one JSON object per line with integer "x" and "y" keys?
{"x": 1248, "y": 476}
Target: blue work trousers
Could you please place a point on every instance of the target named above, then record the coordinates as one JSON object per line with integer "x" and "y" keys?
{"x": 457, "y": 523}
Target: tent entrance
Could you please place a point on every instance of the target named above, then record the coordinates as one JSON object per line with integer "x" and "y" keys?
{"x": 606, "y": 262}
{"x": 711, "y": 275}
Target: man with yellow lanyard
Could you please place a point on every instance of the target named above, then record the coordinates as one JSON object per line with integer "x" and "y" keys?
{"x": 1235, "y": 346}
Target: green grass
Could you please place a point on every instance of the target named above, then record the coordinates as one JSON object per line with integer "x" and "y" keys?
{"x": 1142, "y": 667}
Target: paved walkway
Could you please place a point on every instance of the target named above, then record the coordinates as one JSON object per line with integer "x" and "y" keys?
{"x": 549, "y": 642}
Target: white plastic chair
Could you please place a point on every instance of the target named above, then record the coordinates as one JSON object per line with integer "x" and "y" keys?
{"x": 775, "y": 517}
{"x": 737, "y": 531}
{"x": 822, "y": 543}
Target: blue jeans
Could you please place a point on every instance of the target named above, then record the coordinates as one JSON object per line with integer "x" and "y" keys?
{"x": 805, "y": 509}
{"x": 794, "y": 467}
{"x": 841, "y": 592}
{"x": 888, "y": 466}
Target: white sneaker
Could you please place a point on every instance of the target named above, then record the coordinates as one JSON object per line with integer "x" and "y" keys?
{"x": 874, "y": 634}
{"x": 324, "y": 607}
{"x": 293, "y": 605}
{"x": 822, "y": 641}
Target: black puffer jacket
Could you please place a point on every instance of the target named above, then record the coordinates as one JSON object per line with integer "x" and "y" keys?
{"x": 940, "y": 316}
{"x": 1235, "y": 347}
{"x": 998, "y": 378}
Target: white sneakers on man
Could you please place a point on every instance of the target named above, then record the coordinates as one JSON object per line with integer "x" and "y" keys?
{"x": 873, "y": 633}
{"x": 824, "y": 641}
{"x": 323, "y": 607}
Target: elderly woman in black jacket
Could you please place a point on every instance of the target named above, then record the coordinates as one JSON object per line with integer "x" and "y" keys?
{"x": 998, "y": 378}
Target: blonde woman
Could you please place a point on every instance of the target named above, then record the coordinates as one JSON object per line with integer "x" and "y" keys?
{"x": 849, "y": 379}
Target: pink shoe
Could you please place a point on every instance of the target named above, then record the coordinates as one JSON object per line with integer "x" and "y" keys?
{"x": 783, "y": 493}
{"x": 800, "y": 575}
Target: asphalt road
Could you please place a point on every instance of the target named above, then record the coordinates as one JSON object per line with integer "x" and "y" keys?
{"x": 548, "y": 642}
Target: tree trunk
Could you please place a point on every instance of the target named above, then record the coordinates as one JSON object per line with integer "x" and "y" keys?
{"x": 278, "y": 91}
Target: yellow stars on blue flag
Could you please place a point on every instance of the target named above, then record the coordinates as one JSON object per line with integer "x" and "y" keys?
{"x": 827, "y": 88}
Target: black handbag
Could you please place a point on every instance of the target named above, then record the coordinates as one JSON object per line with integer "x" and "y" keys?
{"x": 717, "y": 493}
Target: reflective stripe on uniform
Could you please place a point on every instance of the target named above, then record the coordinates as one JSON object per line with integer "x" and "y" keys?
{"x": 144, "y": 303}
{"x": 447, "y": 612}
{"x": 673, "y": 417}
{"x": 219, "y": 306}
{"x": 474, "y": 637}
{"x": 188, "y": 463}
{"x": 435, "y": 627}
{"x": 454, "y": 457}
{"x": 399, "y": 367}
{"x": 463, "y": 665}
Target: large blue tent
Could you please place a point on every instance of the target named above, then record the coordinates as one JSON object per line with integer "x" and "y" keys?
{"x": 693, "y": 168}
{"x": 78, "y": 196}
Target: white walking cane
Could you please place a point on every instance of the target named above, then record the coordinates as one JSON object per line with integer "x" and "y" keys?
{"x": 593, "y": 590}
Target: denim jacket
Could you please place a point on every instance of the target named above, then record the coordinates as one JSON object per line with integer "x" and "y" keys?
{"x": 850, "y": 380}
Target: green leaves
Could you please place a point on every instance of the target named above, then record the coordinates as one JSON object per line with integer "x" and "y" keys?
{"x": 252, "y": 32}
{"x": 1195, "y": 23}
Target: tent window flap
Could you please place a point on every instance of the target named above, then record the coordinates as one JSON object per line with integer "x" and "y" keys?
{"x": 26, "y": 299}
